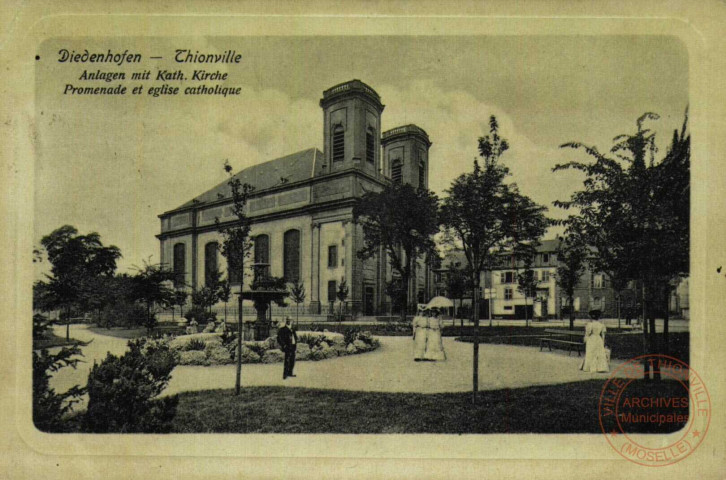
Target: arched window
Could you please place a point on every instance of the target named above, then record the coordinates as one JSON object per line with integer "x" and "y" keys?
{"x": 210, "y": 262}
{"x": 421, "y": 175}
{"x": 397, "y": 171}
{"x": 371, "y": 145}
{"x": 180, "y": 264}
{"x": 338, "y": 143}
{"x": 291, "y": 256}
{"x": 262, "y": 253}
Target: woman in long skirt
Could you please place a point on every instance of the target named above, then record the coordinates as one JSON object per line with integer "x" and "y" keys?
{"x": 434, "y": 345}
{"x": 420, "y": 335}
{"x": 596, "y": 356}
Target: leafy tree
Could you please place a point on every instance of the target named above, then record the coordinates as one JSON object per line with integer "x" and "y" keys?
{"x": 78, "y": 262}
{"x": 122, "y": 390}
{"x": 571, "y": 261}
{"x": 527, "y": 286}
{"x": 50, "y": 407}
{"x": 224, "y": 293}
{"x": 489, "y": 216}
{"x": 152, "y": 286}
{"x": 205, "y": 298}
{"x": 401, "y": 220}
{"x": 236, "y": 247}
{"x": 180, "y": 299}
{"x": 341, "y": 295}
{"x": 120, "y": 307}
{"x": 397, "y": 292}
{"x": 297, "y": 292}
{"x": 44, "y": 299}
{"x": 457, "y": 284}
{"x": 634, "y": 213}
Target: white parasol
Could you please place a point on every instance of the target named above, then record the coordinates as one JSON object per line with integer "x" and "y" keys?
{"x": 440, "y": 302}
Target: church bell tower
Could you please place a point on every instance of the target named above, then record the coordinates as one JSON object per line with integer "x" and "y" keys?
{"x": 406, "y": 155}
{"x": 352, "y": 128}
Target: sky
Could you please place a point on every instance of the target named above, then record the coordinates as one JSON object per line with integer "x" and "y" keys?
{"x": 113, "y": 164}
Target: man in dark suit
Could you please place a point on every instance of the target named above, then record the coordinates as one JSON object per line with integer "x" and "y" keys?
{"x": 287, "y": 338}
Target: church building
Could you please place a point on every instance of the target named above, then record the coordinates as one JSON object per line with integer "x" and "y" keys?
{"x": 301, "y": 209}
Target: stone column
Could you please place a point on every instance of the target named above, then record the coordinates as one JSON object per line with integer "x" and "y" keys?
{"x": 315, "y": 268}
{"x": 353, "y": 268}
{"x": 194, "y": 250}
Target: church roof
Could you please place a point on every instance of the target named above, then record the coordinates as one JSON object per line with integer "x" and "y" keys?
{"x": 292, "y": 168}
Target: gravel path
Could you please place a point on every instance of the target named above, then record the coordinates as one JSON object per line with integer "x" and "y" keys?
{"x": 389, "y": 369}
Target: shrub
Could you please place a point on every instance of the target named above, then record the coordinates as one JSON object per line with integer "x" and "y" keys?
{"x": 311, "y": 339}
{"x": 50, "y": 407}
{"x": 258, "y": 347}
{"x": 182, "y": 341}
{"x": 351, "y": 334}
{"x": 195, "y": 344}
{"x": 122, "y": 314}
{"x": 217, "y": 354}
{"x": 122, "y": 390}
{"x": 193, "y": 357}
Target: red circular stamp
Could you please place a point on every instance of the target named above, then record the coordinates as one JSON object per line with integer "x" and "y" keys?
{"x": 654, "y": 423}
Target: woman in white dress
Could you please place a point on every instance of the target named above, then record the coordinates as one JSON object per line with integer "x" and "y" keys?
{"x": 420, "y": 335}
{"x": 596, "y": 356}
{"x": 434, "y": 345}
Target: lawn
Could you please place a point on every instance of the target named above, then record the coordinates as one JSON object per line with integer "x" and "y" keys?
{"x": 565, "y": 408}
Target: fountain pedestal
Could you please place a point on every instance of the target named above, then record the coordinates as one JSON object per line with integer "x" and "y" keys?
{"x": 261, "y": 328}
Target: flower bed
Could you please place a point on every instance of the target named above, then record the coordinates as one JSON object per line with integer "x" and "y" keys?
{"x": 221, "y": 349}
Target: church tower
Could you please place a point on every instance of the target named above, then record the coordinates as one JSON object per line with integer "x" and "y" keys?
{"x": 352, "y": 128}
{"x": 406, "y": 155}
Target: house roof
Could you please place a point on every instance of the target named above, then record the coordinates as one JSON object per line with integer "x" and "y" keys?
{"x": 548, "y": 245}
{"x": 292, "y": 168}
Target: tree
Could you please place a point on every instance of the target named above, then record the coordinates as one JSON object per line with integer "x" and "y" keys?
{"x": 297, "y": 292}
{"x": 457, "y": 284}
{"x": 224, "y": 293}
{"x": 50, "y": 407}
{"x": 78, "y": 262}
{"x": 400, "y": 220}
{"x": 152, "y": 286}
{"x": 397, "y": 292}
{"x": 44, "y": 299}
{"x": 527, "y": 286}
{"x": 120, "y": 307}
{"x": 635, "y": 215}
{"x": 236, "y": 247}
{"x": 571, "y": 258}
{"x": 341, "y": 295}
{"x": 206, "y": 297}
{"x": 488, "y": 217}
{"x": 180, "y": 299}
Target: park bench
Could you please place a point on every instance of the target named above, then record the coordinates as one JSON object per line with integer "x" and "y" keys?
{"x": 564, "y": 339}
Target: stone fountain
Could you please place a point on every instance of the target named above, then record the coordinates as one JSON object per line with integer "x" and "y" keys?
{"x": 265, "y": 289}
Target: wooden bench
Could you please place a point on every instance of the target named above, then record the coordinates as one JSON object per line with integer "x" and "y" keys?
{"x": 565, "y": 340}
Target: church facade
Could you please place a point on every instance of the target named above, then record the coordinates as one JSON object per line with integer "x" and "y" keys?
{"x": 301, "y": 209}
